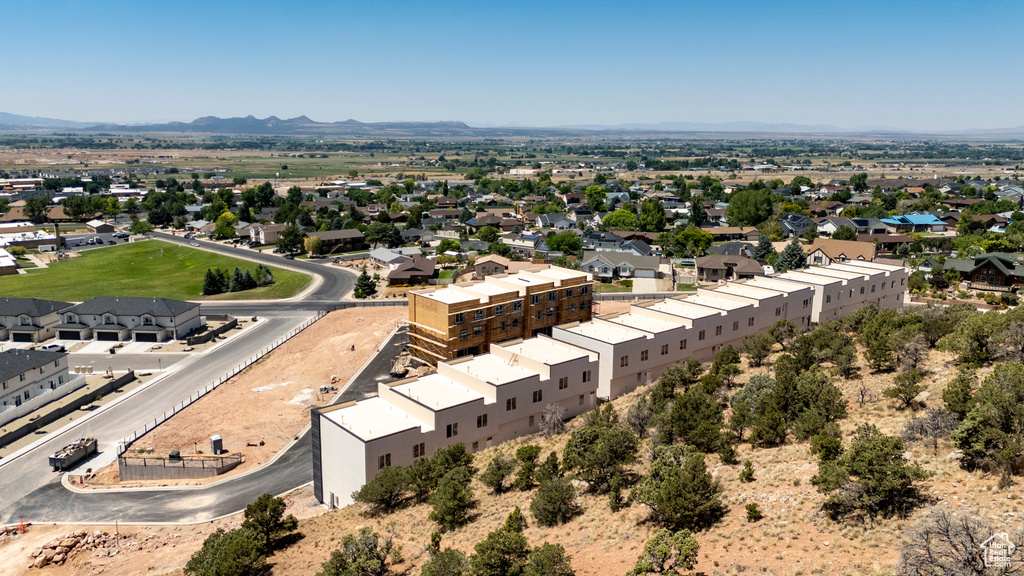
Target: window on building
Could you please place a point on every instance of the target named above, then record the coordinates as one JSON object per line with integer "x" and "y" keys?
{"x": 147, "y": 321}
{"x": 109, "y": 320}
{"x": 700, "y": 335}
{"x": 682, "y": 344}
{"x": 806, "y": 302}
{"x": 778, "y": 311}
{"x": 478, "y": 314}
{"x": 460, "y": 318}
{"x": 583, "y": 306}
{"x": 383, "y": 461}
{"x": 481, "y": 421}
{"x": 452, "y": 429}
{"x": 643, "y": 355}
{"x": 539, "y": 314}
{"x": 568, "y": 292}
{"x": 750, "y": 321}
{"x": 552, "y": 296}
{"x": 419, "y": 450}
{"x": 510, "y": 404}
{"x": 550, "y": 311}
{"x": 586, "y": 375}
{"x": 572, "y": 308}
{"x": 664, "y": 349}
{"x": 476, "y": 446}
{"x": 517, "y": 306}
{"x": 477, "y": 330}
{"x": 872, "y": 288}
{"x": 499, "y": 310}
{"x": 718, "y": 330}
{"x": 515, "y": 323}
{"x": 861, "y": 290}
{"x": 464, "y": 335}
{"x": 534, "y": 299}
{"x": 503, "y": 325}
{"x": 56, "y": 363}
{"x": 584, "y": 290}
{"x": 563, "y": 382}
{"x": 828, "y": 298}
{"x": 624, "y": 361}
{"x": 25, "y": 320}
{"x": 735, "y": 325}
{"x": 538, "y": 395}
{"x": 902, "y": 281}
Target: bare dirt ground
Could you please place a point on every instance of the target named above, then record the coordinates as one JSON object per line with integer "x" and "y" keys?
{"x": 269, "y": 401}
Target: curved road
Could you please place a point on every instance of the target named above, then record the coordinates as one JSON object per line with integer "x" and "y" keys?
{"x": 29, "y": 489}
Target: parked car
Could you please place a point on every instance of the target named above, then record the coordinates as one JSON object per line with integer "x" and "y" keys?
{"x": 289, "y": 257}
{"x": 53, "y": 348}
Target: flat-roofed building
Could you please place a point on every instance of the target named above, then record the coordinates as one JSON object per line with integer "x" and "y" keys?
{"x": 480, "y": 402}
{"x": 464, "y": 319}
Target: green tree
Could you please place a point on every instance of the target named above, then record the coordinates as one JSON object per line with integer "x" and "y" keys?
{"x": 140, "y": 226}
{"x": 871, "y": 477}
{"x": 265, "y": 518}
{"x": 447, "y": 562}
{"x": 453, "y": 499}
{"x": 679, "y": 489}
{"x": 621, "y": 219}
{"x": 289, "y": 239}
{"x": 365, "y": 286}
{"x": 793, "y": 257}
{"x": 667, "y": 553}
{"x": 549, "y": 560}
{"x": 600, "y": 448}
{"x": 496, "y": 472}
{"x": 386, "y": 492}
{"x": 314, "y": 245}
{"x": 448, "y": 245}
{"x": 234, "y": 553}
{"x": 652, "y": 215}
{"x": 567, "y": 242}
{"x": 859, "y": 182}
{"x": 35, "y": 209}
{"x": 596, "y": 196}
{"x": 844, "y": 233}
{"x": 488, "y": 233}
{"x": 905, "y": 388}
{"x": 763, "y": 249}
{"x": 504, "y": 552}
{"x": 959, "y": 393}
{"x": 690, "y": 242}
{"x": 225, "y": 225}
{"x": 213, "y": 282}
{"x": 527, "y": 457}
{"x": 758, "y": 347}
{"x": 749, "y": 207}
{"x": 555, "y": 502}
{"x": 811, "y": 233}
{"x": 363, "y": 554}
{"x": 697, "y": 212}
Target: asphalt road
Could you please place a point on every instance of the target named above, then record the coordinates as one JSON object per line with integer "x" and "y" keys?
{"x": 292, "y": 468}
{"x": 337, "y": 281}
{"x": 23, "y": 478}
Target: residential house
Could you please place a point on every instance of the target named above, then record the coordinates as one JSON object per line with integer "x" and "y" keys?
{"x": 915, "y": 223}
{"x": 99, "y": 227}
{"x": 416, "y": 271}
{"x": 121, "y": 318}
{"x": 718, "y": 267}
{"x": 732, "y": 233}
{"x": 29, "y": 319}
{"x": 417, "y": 235}
{"x": 733, "y": 249}
{"x": 523, "y": 243}
{"x": 989, "y": 271}
{"x": 556, "y": 221}
{"x": 795, "y": 225}
{"x": 607, "y": 265}
{"x": 266, "y": 233}
{"x": 602, "y": 241}
{"x": 826, "y": 251}
{"x": 26, "y": 375}
{"x": 335, "y": 241}
{"x": 490, "y": 264}
{"x": 387, "y": 258}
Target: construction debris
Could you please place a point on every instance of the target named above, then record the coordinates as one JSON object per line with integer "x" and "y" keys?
{"x": 60, "y": 550}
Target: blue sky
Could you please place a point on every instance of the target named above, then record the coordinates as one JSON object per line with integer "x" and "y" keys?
{"x": 923, "y": 65}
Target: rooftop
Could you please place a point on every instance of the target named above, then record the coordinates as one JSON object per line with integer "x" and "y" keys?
{"x": 545, "y": 350}
{"x": 372, "y": 418}
{"x": 493, "y": 370}
{"x": 683, "y": 308}
{"x": 602, "y": 331}
{"x": 712, "y": 302}
{"x": 645, "y": 323}
{"x": 437, "y": 392}
{"x": 15, "y": 362}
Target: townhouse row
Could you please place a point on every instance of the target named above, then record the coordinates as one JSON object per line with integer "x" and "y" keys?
{"x": 487, "y": 399}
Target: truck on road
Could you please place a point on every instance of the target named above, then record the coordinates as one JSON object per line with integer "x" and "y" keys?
{"x": 72, "y": 454}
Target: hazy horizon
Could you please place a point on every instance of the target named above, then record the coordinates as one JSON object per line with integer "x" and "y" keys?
{"x": 915, "y": 65}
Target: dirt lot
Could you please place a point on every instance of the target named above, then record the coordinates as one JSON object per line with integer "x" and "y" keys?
{"x": 270, "y": 400}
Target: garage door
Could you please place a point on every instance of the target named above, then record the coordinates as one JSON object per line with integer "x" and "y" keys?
{"x": 106, "y": 336}
{"x": 644, "y": 273}
{"x": 21, "y": 336}
{"x": 145, "y": 337}
{"x": 68, "y": 335}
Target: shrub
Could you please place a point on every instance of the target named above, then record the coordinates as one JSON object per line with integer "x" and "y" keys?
{"x": 549, "y": 560}
{"x": 667, "y": 553}
{"x": 386, "y": 491}
{"x": 747, "y": 474}
{"x": 555, "y": 503}
{"x": 453, "y": 499}
{"x": 754, "y": 513}
{"x": 363, "y": 553}
{"x": 265, "y": 518}
{"x": 235, "y": 553}
{"x": 680, "y": 490}
{"x": 905, "y": 388}
{"x": 497, "y": 471}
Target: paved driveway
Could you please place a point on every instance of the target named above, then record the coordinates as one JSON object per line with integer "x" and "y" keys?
{"x": 645, "y": 285}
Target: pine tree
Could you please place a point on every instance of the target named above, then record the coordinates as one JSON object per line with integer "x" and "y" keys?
{"x": 248, "y": 282}
{"x": 792, "y": 257}
{"x": 763, "y": 249}
{"x": 237, "y": 282}
{"x": 212, "y": 282}
{"x": 365, "y": 286}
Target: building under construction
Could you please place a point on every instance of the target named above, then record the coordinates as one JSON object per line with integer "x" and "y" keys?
{"x": 464, "y": 319}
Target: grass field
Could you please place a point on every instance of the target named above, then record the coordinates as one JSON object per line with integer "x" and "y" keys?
{"x": 601, "y": 287}
{"x": 149, "y": 269}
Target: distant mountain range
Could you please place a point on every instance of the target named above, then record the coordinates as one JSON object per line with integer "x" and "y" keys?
{"x": 303, "y": 126}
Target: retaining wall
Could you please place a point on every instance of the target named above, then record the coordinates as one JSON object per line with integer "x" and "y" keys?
{"x": 142, "y": 468}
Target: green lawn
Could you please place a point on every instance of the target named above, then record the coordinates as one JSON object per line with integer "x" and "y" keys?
{"x": 685, "y": 287}
{"x": 602, "y": 287}
{"x": 446, "y": 274}
{"x": 151, "y": 268}
{"x": 25, "y": 263}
